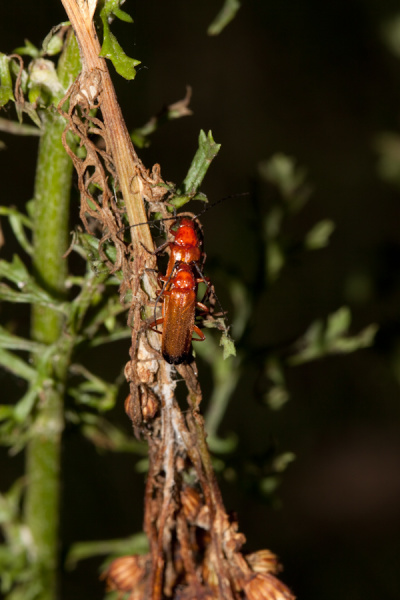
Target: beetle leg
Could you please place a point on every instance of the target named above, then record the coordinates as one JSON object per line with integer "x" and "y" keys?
{"x": 201, "y": 335}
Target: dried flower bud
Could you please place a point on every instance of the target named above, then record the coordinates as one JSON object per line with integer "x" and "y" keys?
{"x": 126, "y": 572}
{"x": 266, "y": 587}
{"x": 263, "y": 561}
{"x": 149, "y": 404}
{"x": 132, "y": 407}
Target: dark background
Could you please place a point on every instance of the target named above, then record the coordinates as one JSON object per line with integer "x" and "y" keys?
{"x": 313, "y": 80}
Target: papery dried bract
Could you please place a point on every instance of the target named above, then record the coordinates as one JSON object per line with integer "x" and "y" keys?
{"x": 263, "y": 561}
{"x": 126, "y": 572}
{"x": 266, "y": 587}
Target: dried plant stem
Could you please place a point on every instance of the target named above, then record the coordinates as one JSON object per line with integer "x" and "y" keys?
{"x": 125, "y": 159}
{"x": 50, "y": 241}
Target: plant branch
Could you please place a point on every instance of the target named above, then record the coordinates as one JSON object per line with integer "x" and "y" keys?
{"x": 51, "y": 217}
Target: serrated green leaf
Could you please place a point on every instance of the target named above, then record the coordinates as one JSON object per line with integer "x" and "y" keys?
{"x": 6, "y": 87}
{"x": 224, "y": 17}
{"x": 123, "y": 64}
{"x": 207, "y": 151}
{"x": 111, "y": 49}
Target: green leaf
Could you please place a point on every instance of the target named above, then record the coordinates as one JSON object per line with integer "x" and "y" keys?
{"x": 228, "y": 346}
{"x": 26, "y": 404}
{"x": 16, "y": 365}
{"x": 53, "y": 42}
{"x": 18, "y": 221}
{"x": 277, "y": 395}
{"x": 10, "y": 502}
{"x": 338, "y": 323}
{"x": 281, "y": 171}
{"x": 135, "y": 544}
{"x": 282, "y": 461}
{"x": 224, "y": 445}
{"x": 13, "y": 342}
{"x": 225, "y": 16}
{"x": 318, "y": 236}
{"x": 6, "y": 87}
{"x": 332, "y": 338}
{"x": 28, "y": 50}
{"x": 122, "y": 15}
{"x": 106, "y": 436}
{"x": 28, "y": 290}
{"x": 140, "y": 136}
{"x": 111, "y": 49}
{"x": 205, "y": 154}
{"x": 93, "y": 391}
{"x": 275, "y": 260}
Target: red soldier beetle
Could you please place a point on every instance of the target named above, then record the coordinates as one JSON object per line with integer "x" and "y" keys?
{"x": 179, "y": 294}
{"x": 178, "y": 314}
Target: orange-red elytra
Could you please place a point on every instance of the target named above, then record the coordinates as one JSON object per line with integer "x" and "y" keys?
{"x": 178, "y": 314}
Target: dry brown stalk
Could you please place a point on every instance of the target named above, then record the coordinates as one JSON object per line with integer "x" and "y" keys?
{"x": 194, "y": 546}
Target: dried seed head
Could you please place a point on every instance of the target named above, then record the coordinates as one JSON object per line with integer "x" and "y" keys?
{"x": 149, "y": 404}
{"x": 131, "y": 406}
{"x": 266, "y": 587}
{"x": 126, "y": 572}
{"x": 191, "y": 503}
{"x": 263, "y": 561}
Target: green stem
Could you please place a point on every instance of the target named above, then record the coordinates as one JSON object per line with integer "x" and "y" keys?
{"x": 52, "y": 193}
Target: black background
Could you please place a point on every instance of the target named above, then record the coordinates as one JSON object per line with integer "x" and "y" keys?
{"x": 314, "y": 80}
